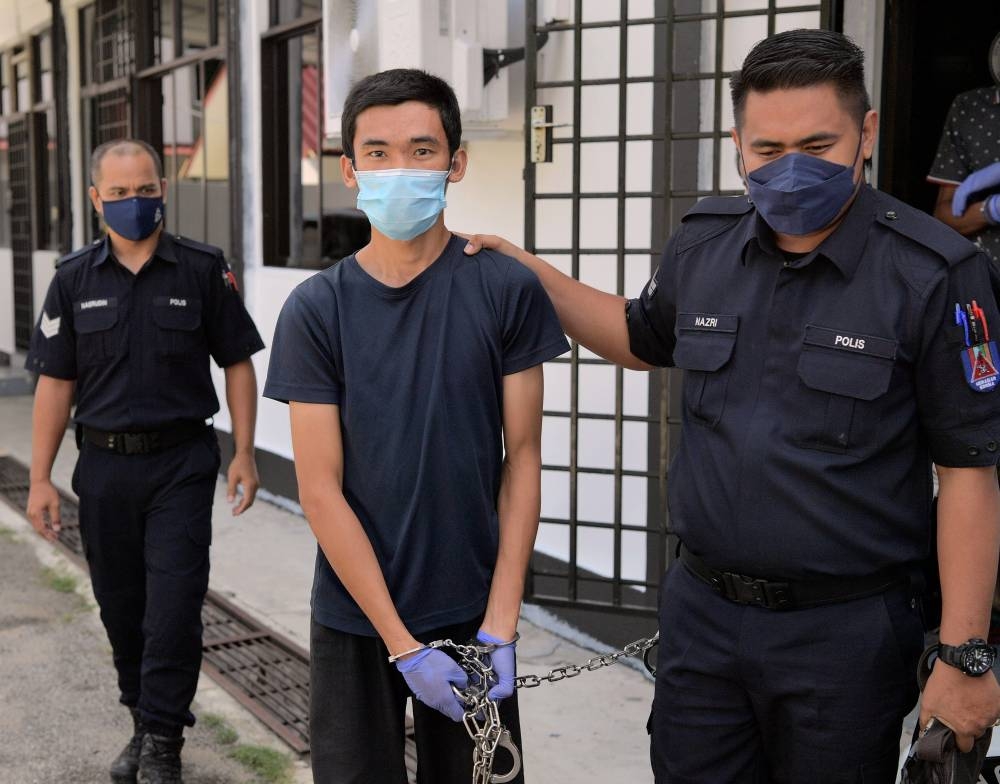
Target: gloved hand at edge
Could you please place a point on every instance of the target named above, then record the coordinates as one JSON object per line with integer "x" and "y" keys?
{"x": 984, "y": 179}
{"x": 430, "y": 673}
{"x": 504, "y": 661}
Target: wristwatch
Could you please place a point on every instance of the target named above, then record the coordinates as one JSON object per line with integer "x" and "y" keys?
{"x": 974, "y": 657}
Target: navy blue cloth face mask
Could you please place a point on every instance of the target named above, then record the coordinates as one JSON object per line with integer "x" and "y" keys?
{"x": 800, "y": 193}
{"x": 135, "y": 218}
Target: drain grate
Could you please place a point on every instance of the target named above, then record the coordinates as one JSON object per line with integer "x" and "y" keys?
{"x": 265, "y": 671}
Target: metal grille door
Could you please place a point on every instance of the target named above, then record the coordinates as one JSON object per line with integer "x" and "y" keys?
{"x": 20, "y": 228}
{"x": 631, "y": 113}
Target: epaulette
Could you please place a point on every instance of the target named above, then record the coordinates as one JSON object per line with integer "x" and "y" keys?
{"x": 924, "y": 230}
{"x": 187, "y": 242}
{"x": 727, "y": 212}
{"x": 77, "y": 253}
{"x": 720, "y": 205}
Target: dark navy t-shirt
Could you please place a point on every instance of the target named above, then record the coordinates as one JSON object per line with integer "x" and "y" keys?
{"x": 417, "y": 372}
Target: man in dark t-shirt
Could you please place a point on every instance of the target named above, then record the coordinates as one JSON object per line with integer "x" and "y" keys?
{"x": 414, "y": 381}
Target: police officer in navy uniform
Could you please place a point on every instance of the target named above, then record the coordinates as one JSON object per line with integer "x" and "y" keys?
{"x": 835, "y": 343}
{"x": 126, "y": 332}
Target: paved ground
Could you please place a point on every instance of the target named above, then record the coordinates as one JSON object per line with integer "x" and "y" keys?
{"x": 587, "y": 730}
{"x": 60, "y": 720}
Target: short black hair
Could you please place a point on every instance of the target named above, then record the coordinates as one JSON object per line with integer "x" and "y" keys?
{"x": 396, "y": 86}
{"x": 804, "y": 58}
{"x": 123, "y": 147}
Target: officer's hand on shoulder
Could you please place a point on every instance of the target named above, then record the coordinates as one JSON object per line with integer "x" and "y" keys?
{"x": 242, "y": 474}
{"x": 43, "y": 509}
{"x": 968, "y": 705}
{"x": 478, "y": 242}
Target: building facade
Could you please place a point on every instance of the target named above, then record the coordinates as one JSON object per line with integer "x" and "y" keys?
{"x": 591, "y": 127}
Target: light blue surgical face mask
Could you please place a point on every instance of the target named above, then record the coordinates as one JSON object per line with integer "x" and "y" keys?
{"x": 401, "y": 203}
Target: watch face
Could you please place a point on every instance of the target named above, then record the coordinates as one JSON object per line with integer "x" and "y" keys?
{"x": 978, "y": 659}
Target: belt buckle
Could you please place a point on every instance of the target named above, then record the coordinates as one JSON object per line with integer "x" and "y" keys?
{"x": 743, "y": 589}
{"x": 134, "y": 443}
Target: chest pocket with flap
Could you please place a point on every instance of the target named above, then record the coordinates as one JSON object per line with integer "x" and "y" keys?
{"x": 178, "y": 322}
{"x": 705, "y": 344}
{"x": 845, "y": 373}
{"x": 95, "y": 321}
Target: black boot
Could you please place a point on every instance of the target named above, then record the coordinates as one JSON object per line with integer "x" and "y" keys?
{"x": 126, "y": 764}
{"x": 160, "y": 760}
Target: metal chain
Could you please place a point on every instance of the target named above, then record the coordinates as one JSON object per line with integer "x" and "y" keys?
{"x": 482, "y": 715}
{"x": 637, "y": 649}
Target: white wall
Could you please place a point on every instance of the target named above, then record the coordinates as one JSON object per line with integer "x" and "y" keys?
{"x": 43, "y": 269}
{"x": 6, "y": 301}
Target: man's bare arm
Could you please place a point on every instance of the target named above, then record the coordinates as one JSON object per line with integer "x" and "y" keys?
{"x": 971, "y": 221}
{"x": 53, "y": 401}
{"x": 593, "y": 318}
{"x": 968, "y": 547}
{"x": 241, "y": 397}
{"x": 519, "y": 501}
{"x": 319, "y": 466}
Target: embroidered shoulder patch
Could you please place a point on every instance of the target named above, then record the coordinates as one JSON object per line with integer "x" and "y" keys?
{"x": 49, "y": 326}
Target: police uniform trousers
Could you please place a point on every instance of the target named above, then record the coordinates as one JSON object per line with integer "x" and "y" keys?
{"x": 356, "y": 715}
{"x": 747, "y": 695}
{"x": 146, "y": 526}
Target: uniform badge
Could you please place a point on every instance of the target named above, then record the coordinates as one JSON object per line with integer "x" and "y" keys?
{"x": 979, "y": 357}
{"x": 651, "y": 288}
{"x": 49, "y": 326}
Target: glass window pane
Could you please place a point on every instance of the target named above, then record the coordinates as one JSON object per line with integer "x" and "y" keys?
{"x": 287, "y": 10}
{"x": 23, "y": 86}
{"x": 213, "y": 148}
{"x": 167, "y": 50}
{"x": 6, "y": 106}
{"x": 52, "y": 182}
{"x": 194, "y": 23}
{"x": 220, "y": 20}
{"x": 44, "y": 44}
{"x": 87, "y": 45}
{"x": 4, "y": 186}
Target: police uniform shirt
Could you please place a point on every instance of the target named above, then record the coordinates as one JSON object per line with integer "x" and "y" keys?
{"x": 818, "y": 389}
{"x": 971, "y": 141}
{"x": 138, "y": 344}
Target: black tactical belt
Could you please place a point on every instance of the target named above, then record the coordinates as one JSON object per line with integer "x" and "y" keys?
{"x": 144, "y": 443}
{"x": 774, "y": 594}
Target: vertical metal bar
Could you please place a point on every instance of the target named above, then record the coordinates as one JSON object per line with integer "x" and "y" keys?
{"x": 60, "y": 88}
{"x": 661, "y": 226}
{"x": 234, "y": 72}
{"x": 620, "y": 289}
{"x": 530, "y": 99}
{"x": 200, "y": 71}
{"x": 771, "y": 16}
{"x": 574, "y": 384}
{"x": 720, "y": 22}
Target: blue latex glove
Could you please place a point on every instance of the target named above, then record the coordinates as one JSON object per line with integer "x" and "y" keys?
{"x": 504, "y": 660}
{"x": 985, "y": 179}
{"x": 992, "y": 209}
{"x": 429, "y": 674}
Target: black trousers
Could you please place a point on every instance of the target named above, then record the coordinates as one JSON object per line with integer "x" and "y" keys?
{"x": 755, "y": 696}
{"x": 146, "y": 526}
{"x": 357, "y": 706}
